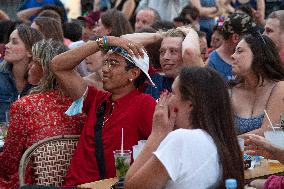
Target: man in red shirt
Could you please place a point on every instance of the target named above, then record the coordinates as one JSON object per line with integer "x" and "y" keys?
{"x": 122, "y": 106}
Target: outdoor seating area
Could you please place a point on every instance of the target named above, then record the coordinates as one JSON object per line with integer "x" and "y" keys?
{"x": 142, "y": 94}
{"x": 49, "y": 158}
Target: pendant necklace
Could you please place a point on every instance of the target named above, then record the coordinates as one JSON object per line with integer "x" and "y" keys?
{"x": 110, "y": 114}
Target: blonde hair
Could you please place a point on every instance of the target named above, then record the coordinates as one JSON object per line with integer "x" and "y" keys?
{"x": 45, "y": 51}
{"x": 175, "y": 33}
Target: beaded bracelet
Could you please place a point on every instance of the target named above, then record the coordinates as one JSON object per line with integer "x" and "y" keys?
{"x": 102, "y": 43}
{"x": 105, "y": 42}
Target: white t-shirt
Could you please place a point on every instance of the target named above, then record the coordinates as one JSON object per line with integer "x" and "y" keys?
{"x": 190, "y": 158}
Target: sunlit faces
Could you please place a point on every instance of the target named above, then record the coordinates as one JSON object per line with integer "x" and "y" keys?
{"x": 16, "y": 50}
{"x": 242, "y": 59}
{"x": 94, "y": 62}
{"x": 115, "y": 77}
{"x": 100, "y": 29}
{"x": 171, "y": 56}
{"x": 35, "y": 72}
{"x": 144, "y": 18}
{"x": 87, "y": 31}
{"x": 183, "y": 107}
{"x": 273, "y": 31}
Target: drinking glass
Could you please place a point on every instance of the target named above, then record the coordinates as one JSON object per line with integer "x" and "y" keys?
{"x": 122, "y": 161}
{"x": 276, "y": 137}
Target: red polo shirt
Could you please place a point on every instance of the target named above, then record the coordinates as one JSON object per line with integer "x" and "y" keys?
{"x": 132, "y": 112}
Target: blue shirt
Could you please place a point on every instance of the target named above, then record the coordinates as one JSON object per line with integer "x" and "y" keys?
{"x": 222, "y": 67}
{"x": 8, "y": 91}
{"x": 251, "y": 4}
{"x": 162, "y": 83}
{"x": 39, "y": 3}
{"x": 207, "y": 23}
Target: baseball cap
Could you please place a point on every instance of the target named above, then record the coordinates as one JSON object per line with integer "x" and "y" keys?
{"x": 141, "y": 63}
{"x": 239, "y": 23}
{"x": 92, "y": 17}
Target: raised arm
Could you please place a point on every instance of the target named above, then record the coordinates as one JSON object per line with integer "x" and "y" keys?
{"x": 260, "y": 12}
{"x": 128, "y": 8}
{"x": 190, "y": 48}
{"x": 144, "y": 38}
{"x": 206, "y": 11}
{"x": 63, "y": 65}
{"x": 25, "y": 14}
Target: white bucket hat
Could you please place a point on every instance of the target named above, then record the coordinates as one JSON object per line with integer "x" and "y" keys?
{"x": 141, "y": 63}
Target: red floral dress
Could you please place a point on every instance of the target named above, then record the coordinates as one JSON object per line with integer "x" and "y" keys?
{"x": 32, "y": 118}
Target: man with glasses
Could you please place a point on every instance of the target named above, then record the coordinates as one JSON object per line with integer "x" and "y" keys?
{"x": 122, "y": 106}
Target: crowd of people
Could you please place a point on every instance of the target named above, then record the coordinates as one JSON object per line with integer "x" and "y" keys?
{"x": 190, "y": 77}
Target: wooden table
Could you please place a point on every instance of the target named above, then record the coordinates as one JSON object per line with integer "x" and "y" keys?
{"x": 101, "y": 184}
{"x": 263, "y": 171}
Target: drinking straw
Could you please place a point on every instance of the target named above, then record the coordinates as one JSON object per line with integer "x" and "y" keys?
{"x": 271, "y": 125}
{"x": 121, "y": 148}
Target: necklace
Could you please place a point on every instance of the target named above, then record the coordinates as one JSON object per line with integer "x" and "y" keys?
{"x": 109, "y": 114}
{"x": 105, "y": 120}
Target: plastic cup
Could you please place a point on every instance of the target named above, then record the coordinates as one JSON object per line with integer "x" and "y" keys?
{"x": 141, "y": 142}
{"x": 135, "y": 150}
{"x": 122, "y": 161}
{"x": 276, "y": 137}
